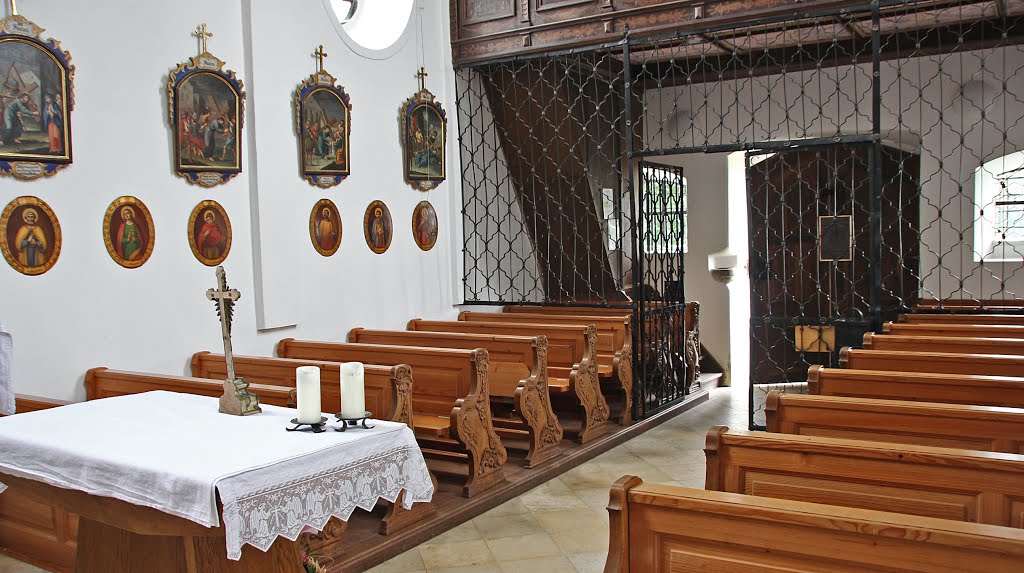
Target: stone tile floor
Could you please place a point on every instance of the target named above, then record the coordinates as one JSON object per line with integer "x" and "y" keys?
{"x": 562, "y": 525}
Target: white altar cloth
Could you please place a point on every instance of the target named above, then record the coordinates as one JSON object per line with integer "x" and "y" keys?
{"x": 175, "y": 453}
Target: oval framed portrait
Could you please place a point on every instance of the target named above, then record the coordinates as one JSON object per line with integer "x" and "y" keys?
{"x": 128, "y": 232}
{"x": 209, "y": 233}
{"x": 325, "y": 227}
{"x": 424, "y": 225}
{"x": 377, "y": 227}
{"x": 30, "y": 235}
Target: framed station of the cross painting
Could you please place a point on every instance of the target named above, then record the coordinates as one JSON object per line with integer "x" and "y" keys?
{"x": 36, "y": 98}
{"x": 424, "y": 132}
{"x": 323, "y": 116}
{"x": 206, "y": 104}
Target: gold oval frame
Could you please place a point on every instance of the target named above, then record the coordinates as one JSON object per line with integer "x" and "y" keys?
{"x": 108, "y": 217}
{"x": 366, "y": 225}
{"x": 5, "y": 217}
{"x": 216, "y": 207}
{"x": 318, "y": 206}
{"x": 437, "y": 226}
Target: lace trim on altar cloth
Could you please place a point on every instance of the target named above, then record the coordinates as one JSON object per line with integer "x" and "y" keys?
{"x": 260, "y": 516}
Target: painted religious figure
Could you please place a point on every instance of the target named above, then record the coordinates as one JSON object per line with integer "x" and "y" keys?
{"x": 207, "y": 106}
{"x": 323, "y": 115}
{"x": 377, "y": 227}
{"x": 36, "y": 97}
{"x": 424, "y": 132}
{"x": 424, "y": 225}
{"x": 209, "y": 233}
{"x": 128, "y": 232}
{"x": 325, "y": 227}
{"x": 30, "y": 235}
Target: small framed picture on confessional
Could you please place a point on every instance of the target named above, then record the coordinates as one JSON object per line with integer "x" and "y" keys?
{"x": 835, "y": 238}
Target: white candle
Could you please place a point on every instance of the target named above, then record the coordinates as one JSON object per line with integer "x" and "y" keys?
{"x": 353, "y": 400}
{"x": 307, "y": 394}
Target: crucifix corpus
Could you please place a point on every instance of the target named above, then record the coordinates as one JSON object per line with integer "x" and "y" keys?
{"x": 237, "y": 399}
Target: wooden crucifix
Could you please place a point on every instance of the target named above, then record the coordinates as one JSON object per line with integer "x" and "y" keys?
{"x": 202, "y": 34}
{"x": 237, "y": 399}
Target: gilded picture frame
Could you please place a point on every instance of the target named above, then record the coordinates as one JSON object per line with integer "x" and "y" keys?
{"x": 36, "y": 99}
{"x": 323, "y": 120}
{"x": 325, "y": 228}
{"x": 424, "y": 225}
{"x": 378, "y": 229}
{"x": 209, "y": 233}
{"x": 206, "y": 108}
{"x": 128, "y": 232}
{"x": 424, "y": 135}
{"x": 30, "y": 237}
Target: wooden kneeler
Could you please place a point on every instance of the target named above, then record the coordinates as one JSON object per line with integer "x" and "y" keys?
{"x": 453, "y": 409}
{"x": 517, "y": 369}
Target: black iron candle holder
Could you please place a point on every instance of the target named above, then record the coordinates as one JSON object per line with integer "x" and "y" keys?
{"x": 315, "y": 428}
{"x": 353, "y": 422}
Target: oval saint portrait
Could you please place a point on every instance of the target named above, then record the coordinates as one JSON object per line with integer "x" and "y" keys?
{"x": 128, "y": 232}
{"x": 325, "y": 227}
{"x": 31, "y": 235}
{"x": 424, "y": 225}
{"x": 209, "y": 233}
{"x": 377, "y": 227}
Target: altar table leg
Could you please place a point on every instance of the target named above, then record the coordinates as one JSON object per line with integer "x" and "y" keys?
{"x": 106, "y": 549}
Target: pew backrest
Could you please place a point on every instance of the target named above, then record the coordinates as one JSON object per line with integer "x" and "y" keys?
{"x": 106, "y": 383}
{"x": 671, "y": 529}
{"x": 958, "y": 330}
{"x": 938, "y": 362}
{"x": 962, "y": 426}
{"x": 614, "y": 333}
{"x": 947, "y": 483}
{"x": 951, "y": 344}
{"x": 1005, "y": 391}
{"x": 384, "y": 387}
{"x": 25, "y": 403}
{"x": 922, "y": 318}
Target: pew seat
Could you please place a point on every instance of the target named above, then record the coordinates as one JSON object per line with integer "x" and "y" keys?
{"x": 947, "y": 483}
{"x": 671, "y": 529}
{"x": 451, "y": 386}
{"x": 1005, "y": 391}
{"x": 517, "y": 370}
{"x": 951, "y": 344}
{"x": 962, "y": 426}
{"x": 938, "y": 362}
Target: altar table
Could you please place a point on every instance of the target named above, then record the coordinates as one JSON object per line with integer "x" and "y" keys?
{"x": 158, "y": 478}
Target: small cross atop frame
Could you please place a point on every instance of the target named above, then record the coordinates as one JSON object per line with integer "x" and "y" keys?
{"x": 237, "y": 399}
{"x": 202, "y": 34}
{"x": 14, "y": 7}
{"x": 422, "y": 75}
{"x": 320, "y": 54}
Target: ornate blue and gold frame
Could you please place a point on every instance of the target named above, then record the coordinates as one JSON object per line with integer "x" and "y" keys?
{"x": 207, "y": 142}
{"x": 424, "y": 140}
{"x": 46, "y": 102}
{"x": 324, "y": 141}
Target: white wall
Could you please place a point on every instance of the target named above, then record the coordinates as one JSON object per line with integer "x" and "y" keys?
{"x": 87, "y": 311}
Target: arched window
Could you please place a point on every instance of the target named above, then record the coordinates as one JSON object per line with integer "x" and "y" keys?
{"x": 373, "y": 24}
{"x": 999, "y": 209}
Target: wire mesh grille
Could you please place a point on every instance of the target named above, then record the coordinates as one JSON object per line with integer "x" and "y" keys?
{"x": 884, "y": 153}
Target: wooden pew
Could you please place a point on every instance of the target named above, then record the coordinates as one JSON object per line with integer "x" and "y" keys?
{"x": 32, "y": 531}
{"x": 517, "y": 368}
{"x": 938, "y": 362}
{"x": 614, "y": 345}
{"x": 106, "y": 383}
{"x": 947, "y": 483}
{"x": 964, "y": 330}
{"x": 951, "y": 344}
{"x": 671, "y": 529}
{"x": 572, "y": 363}
{"x": 1005, "y": 391}
{"x": 388, "y": 389}
{"x": 1008, "y": 319}
{"x": 451, "y": 397}
{"x": 966, "y": 427}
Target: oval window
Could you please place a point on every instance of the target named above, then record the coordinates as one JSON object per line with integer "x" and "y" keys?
{"x": 373, "y": 24}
